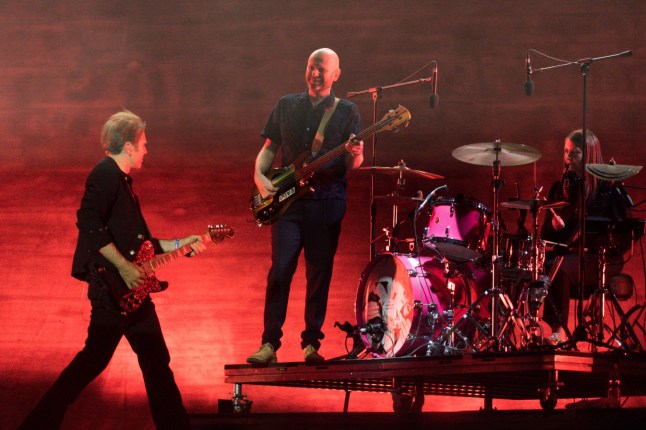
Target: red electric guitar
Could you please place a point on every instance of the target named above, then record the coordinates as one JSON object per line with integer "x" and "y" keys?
{"x": 130, "y": 300}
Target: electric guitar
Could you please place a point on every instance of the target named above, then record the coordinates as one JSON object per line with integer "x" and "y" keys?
{"x": 130, "y": 300}
{"x": 293, "y": 181}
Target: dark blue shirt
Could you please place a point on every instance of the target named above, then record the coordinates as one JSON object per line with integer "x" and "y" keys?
{"x": 293, "y": 125}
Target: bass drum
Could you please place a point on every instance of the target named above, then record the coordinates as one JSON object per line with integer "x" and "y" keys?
{"x": 403, "y": 301}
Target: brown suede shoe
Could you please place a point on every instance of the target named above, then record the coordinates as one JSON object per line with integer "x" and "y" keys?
{"x": 312, "y": 355}
{"x": 265, "y": 355}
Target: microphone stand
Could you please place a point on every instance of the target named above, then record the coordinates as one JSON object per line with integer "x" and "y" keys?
{"x": 584, "y": 65}
{"x": 376, "y": 93}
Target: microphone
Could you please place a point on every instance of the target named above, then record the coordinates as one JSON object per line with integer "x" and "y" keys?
{"x": 433, "y": 99}
{"x": 430, "y": 196}
{"x": 529, "y": 85}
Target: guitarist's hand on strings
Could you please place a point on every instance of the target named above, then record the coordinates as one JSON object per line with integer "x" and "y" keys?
{"x": 133, "y": 275}
{"x": 264, "y": 185}
{"x": 264, "y": 161}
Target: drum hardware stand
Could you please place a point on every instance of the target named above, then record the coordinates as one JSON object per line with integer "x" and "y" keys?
{"x": 596, "y": 312}
{"x": 354, "y": 333}
{"x": 508, "y": 319}
{"x": 446, "y": 339}
{"x": 376, "y": 93}
{"x": 584, "y": 65}
{"x": 532, "y": 298}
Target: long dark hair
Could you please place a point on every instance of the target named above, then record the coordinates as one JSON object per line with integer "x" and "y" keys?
{"x": 592, "y": 156}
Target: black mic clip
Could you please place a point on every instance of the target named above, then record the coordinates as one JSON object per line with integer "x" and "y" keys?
{"x": 429, "y": 197}
{"x": 529, "y": 85}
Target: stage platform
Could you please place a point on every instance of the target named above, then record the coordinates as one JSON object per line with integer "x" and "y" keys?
{"x": 544, "y": 376}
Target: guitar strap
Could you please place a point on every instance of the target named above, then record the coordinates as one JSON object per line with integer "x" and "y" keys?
{"x": 318, "y": 139}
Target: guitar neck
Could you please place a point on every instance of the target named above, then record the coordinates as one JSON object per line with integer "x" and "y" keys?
{"x": 168, "y": 257}
{"x": 317, "y": 163}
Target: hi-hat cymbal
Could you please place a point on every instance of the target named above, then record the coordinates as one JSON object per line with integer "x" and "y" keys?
{"x": 612, "y": 172}
{"x": 531, "y": 205}
{"x": 484, "y": 154}
{"x": 401, "y": 170}
{"x": 399, "y": 200}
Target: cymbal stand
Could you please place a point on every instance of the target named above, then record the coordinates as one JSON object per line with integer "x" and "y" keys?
{"x": 401, "y": 182}
{"x": 508, "y": 322}
{"x": 376, "y": 93}
{"x": 496, "y": 183}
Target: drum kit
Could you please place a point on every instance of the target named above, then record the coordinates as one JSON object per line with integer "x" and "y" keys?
{"x": 461, "y": 286}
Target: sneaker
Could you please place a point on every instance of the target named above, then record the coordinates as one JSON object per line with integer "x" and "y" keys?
{"x": 554, "y": 339}
{"x": 265, "y": 355}
{"x": 312, "y": 355}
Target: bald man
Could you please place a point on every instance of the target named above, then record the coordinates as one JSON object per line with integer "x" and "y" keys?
{"x": 311, "y": 224}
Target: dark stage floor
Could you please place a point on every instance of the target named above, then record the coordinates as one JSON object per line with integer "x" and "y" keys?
{"x": 587, "y": 419}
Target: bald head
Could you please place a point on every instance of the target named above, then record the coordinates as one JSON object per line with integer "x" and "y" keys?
{"x": 322, "y": 71}
{"x": 322, "y": 53}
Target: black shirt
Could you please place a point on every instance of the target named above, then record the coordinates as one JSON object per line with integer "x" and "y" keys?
{"x": 293, "y": 124}
{"x": 109, "y": 212}
{"x": 610, "y": 203}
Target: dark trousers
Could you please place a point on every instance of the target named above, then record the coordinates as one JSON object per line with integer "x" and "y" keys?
{"x": 311, "y": 226}
{"x": 107, "y": 326}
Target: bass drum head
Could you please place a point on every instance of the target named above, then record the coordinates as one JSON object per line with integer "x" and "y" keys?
{"x": 398, "y": 296}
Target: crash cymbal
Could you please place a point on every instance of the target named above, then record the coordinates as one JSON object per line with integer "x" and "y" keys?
{"x": 611, "y": 171}
{"x": 399, "y": 200}
{"x": 484, "y": 154}
{"x": 401, "y": 170}
{"x": 533, "y": 204}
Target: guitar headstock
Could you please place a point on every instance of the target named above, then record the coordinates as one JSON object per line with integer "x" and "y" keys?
{"x": 394, "y": 118}
{"x": 219, "y": 232}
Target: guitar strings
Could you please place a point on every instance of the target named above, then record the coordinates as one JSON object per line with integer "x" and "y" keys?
{"x": 325, "y": 158}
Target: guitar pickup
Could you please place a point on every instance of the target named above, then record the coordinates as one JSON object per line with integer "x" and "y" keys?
{"x": 286, "y": 194}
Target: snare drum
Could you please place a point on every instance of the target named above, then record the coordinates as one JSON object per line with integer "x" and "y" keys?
{"x": 456, "y": 228}
{"x": 517, "y": 252}
{"x": 402, "y": 303}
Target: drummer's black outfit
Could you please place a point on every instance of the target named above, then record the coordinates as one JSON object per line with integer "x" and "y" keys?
{"x": 610, "y": 203}
{"x": 313, "y": 223}
{"x": 110, "y": 212}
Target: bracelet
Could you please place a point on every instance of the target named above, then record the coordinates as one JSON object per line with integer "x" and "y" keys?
{"x": 176, "y": 243}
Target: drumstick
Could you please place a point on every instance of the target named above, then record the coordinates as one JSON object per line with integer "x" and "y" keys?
{"x": 552, "y": 209}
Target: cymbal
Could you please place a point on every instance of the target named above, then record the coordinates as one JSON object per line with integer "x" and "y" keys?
{"x": 401, "y": 170}
{"x": 612, "y": 172}
{"x": 399, "y": 200}
{"x": 484, "y": 154}
{"x": 533, "y": 204}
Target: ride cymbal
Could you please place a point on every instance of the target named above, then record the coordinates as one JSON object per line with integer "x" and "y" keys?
{"x": 484, "y": 154}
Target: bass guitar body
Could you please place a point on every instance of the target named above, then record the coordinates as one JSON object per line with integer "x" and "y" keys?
{"x": 291, "y": 187}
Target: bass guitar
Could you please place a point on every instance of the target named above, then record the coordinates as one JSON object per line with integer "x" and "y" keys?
{"x": 130, "y": 300}
{"x": 293, "y": 181}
